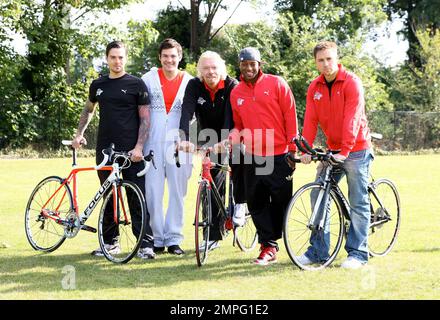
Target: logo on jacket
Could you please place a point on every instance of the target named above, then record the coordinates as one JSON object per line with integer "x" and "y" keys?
{"x": 240, "y": 101}
{"x": 317, "y": 96}
{"x": 98, "y": 92}
{"x": 266, "y": 92}
{"x": 124, "y": 91}
{"x": 201, "y": 100}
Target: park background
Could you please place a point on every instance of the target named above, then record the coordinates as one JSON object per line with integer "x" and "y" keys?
{"x": 50, "y": 51}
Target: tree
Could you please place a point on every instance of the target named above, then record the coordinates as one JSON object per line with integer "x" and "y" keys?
{"x": 142, "y": 44}
{"x": 418, "y": 15}
{"x": 344, "y": 18}
{"x": 52, "y": 29}
{"x": 202, "y": 35}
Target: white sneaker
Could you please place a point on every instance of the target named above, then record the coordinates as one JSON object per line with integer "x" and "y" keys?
{"x": 239, "y": 217}
{"x": 110, "y": 248}
{"x": 304, "y": 260}
{"x": 352, "y": 263}
{"x": 212, "y": 244}
{"x": 146, "y": 253}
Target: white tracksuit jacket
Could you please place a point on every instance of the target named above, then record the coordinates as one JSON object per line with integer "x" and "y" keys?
{"x": 164, "y": 130}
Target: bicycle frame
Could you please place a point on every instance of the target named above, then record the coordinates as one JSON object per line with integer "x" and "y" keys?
{"x": 206, "y": 176}
{"x": 317, "y": 220}
{"x": 110, "y": 182}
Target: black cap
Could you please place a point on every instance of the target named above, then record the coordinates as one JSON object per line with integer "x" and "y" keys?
{"x": 250, "y": 53}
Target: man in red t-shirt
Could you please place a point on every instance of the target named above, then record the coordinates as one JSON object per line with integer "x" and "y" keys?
{"x": 335, "y": 101}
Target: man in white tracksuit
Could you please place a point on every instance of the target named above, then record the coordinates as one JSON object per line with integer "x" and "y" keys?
{"x": 166, "y": 88}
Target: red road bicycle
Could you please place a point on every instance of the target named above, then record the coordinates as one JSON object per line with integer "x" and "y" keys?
{"x": 52, "y": 213}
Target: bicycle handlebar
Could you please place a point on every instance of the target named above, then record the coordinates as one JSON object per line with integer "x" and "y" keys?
{"x": 317, "y": 154}
{"x": 111, "y": 155}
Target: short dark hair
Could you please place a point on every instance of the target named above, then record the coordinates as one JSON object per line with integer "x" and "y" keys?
{"x": 168, "y": 44}
{"x": 115, "y": 44}
{"x": 323, "y": 45}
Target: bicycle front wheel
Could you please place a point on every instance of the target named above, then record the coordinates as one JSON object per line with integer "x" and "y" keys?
{"x": 122, "y": 222}
{"x": 48, "y": 205}
{"x": 246, "y": 235}
{"x": 308, "y": 247}
{"x": 385, "y": 217}
{"x": 202, "y": 222}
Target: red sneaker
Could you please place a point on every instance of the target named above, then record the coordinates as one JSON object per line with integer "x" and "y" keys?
{"x": 267, "y": 256}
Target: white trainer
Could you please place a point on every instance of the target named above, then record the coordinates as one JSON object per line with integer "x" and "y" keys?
{"x": 304, "y": 260}
{"x": 352, "y": 263}
{"x": 239, "y": 217}
{"x": 146, "y": 253}
{"x": 110, "y": 248}
{"x": 212, "y": 244}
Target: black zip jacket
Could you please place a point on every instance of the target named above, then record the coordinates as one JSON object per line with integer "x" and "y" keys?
{"x": 216, "y": 115}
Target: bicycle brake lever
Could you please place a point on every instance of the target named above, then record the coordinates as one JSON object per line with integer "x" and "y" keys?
{"x": 104, "y": 161}
{"x": 176, "y": 154}
{"x": 144, "y": 171}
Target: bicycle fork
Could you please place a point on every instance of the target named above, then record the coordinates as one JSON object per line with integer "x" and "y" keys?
{"x": 321, "y": 206}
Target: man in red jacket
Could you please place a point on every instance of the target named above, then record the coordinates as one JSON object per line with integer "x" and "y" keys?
{"x": 264, "y": 114}
{"x": 335, "y": 101}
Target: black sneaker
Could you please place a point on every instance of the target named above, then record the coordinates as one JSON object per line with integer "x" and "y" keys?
{"x": 159, "y": 249}
{"x": 175, "y": 249}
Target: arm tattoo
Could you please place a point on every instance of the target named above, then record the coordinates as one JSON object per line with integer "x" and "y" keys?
{"x": 144, "y": 125}
{"x": 86, "y": 116}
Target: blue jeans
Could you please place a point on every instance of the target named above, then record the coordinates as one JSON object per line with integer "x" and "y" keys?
{"x": 357, "y": 169}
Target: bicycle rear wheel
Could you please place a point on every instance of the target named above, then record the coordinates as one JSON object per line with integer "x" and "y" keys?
{"x": 122, "y": 230}
{"x": 385, "y": 217}
{"x": 43, "y": 210}
{"x": 302, "y": 240}
{"x": 202, "y": 222}
{"x": 246, "y": 235}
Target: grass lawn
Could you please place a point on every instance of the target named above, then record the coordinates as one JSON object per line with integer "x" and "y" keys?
{"x": 410, "y": 271}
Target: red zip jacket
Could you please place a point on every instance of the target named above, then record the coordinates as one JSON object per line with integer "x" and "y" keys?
{"x": 341, "y": 116}
{"x": 264, "y": 115}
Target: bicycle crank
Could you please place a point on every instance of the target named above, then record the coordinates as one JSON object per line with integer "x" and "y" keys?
{"x": 72, "y": 225}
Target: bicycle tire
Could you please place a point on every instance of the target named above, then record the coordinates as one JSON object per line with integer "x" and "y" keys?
{"x": 202, "y": 222}
{"x": 246, "y": 235}
{"x": 125, "y": 232}
{"x": 42, "y": 232}
{"x": 297, "y": 234}
{"x": 383, "y": 236}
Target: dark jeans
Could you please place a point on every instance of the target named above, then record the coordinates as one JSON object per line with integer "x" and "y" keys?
{"x": 111, "y": 231}
{"x": 268, "y": 195}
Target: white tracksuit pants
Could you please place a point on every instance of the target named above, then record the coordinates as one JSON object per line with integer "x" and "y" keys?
{"x": 167, "y": 229}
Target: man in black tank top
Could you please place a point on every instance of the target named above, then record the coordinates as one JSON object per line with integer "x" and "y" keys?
{"x": 124, "y": 120}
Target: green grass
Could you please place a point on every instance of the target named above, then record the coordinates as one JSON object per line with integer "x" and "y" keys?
{"x": 410, "y": 271}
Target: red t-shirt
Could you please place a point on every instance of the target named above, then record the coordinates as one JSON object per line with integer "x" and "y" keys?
{"x": 169, "y": 88}
{"x": 212, "y": 92}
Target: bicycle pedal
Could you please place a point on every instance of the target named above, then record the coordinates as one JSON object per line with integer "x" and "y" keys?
{"x": 88, "y": 228}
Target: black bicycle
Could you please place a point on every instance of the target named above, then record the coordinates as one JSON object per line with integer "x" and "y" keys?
{"x": 318, "y": 213}
{"x": 208, "y": 190}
